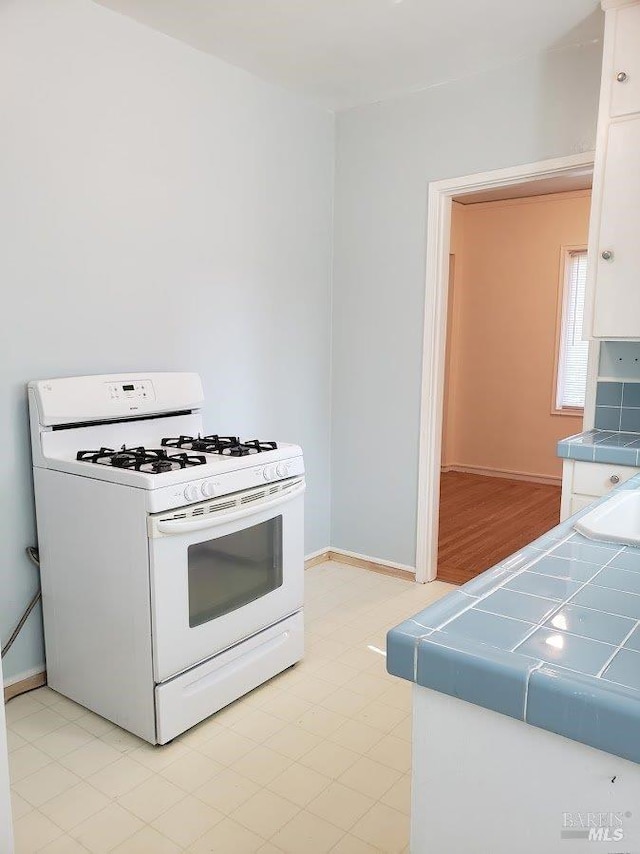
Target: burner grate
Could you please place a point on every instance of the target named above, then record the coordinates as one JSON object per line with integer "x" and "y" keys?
{"x": 228, "y": 446}
{"x": 150, "y": 460}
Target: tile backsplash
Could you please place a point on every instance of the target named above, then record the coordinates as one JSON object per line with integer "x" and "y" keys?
{"x": 618, "y": 406}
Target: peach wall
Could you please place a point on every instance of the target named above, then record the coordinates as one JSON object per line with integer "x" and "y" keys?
{"x": 502, "y": 325}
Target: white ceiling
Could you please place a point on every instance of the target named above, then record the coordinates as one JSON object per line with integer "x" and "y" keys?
{"x": 347, "y": 52}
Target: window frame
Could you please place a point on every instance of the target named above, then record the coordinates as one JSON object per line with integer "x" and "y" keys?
{"x": 565, "y": 259}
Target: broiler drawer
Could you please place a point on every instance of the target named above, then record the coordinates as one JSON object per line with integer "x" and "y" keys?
{"x": 187, "y": 699}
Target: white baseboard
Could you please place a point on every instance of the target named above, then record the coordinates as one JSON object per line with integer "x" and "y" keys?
{"x": 318, "y": 553}
{"x": 545, "y": 480}
{"x": 21, "y": 677}
{"x": 388, "y": 567}
{"x": 314, "y": 558}
{"x": 36, "y": 677}
{"x": 369, "y": 562}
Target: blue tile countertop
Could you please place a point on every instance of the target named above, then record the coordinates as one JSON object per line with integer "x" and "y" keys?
{"x": 550, "y": 636}
{"x": 602, "y": 446}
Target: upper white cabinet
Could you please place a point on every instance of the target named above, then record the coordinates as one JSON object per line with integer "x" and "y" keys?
{"x": 613, "y": 303}
{"x": 617, "y": 293}
{"x": 625, "y": 73}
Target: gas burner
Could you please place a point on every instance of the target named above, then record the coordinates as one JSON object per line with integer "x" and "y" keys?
{"x": 152, "y": 460}
{"x": 127, "y": 457}
{"x": 214, "y": 444}
{"x": 243, "y": 449}
{"x": 210, "y": 444}
{"x": 161, "y": 465}
{"x": 228, "y": 446}
{"x": 169, "y": 462}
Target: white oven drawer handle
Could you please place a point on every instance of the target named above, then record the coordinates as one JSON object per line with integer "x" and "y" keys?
{"x": 175, "y": 526}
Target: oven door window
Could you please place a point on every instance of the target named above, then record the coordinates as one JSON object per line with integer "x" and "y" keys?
{"x": 229, "y": 572}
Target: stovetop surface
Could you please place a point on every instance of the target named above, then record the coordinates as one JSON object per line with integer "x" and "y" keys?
{"x": 156, "y": 466}
{"x": 152, "y": 460}
{"x": 229, "y": 446}
{"x": 174, "y": 453}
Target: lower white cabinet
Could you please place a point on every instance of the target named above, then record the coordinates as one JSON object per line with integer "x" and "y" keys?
{"x": 506, "y": 786}
{"x": 583, "y": 482}
{"x": 578, "y": 502}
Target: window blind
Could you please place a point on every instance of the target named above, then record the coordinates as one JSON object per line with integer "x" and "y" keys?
{"x": 574, "y": 352}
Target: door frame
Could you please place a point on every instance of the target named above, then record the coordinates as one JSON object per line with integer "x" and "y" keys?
{"x": 440, "y": 195}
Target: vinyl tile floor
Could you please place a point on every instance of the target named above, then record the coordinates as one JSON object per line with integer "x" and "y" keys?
{"x": 316, "y": 760}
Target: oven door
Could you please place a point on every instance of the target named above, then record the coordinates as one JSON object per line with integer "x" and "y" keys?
{"x": 222, "y": 570}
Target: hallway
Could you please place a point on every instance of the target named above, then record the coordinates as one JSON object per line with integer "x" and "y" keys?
{"x": 485, "y": 519}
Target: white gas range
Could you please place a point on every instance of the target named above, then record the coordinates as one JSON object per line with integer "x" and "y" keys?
{"x": 171, "y": 561}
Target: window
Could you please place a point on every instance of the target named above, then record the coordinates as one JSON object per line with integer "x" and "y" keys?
{"x": 573, "y": 352}
{"x": 228, "y": 572}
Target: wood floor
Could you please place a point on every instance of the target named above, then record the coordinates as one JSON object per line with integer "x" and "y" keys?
{"x": 485, "y": 519}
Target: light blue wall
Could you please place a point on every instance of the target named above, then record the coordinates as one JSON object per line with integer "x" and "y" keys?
{"x": 159, "y": 210}
{"x": 135, "y": 170}
{"x": 386, "y": 154}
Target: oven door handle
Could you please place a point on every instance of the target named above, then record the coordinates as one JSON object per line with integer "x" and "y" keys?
{"x": 199, "y": 523}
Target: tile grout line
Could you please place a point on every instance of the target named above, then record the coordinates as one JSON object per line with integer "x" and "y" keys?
{"x": 500, "y": 586}
{"x": 603, "y": 567}
{"x": 617, "y": 649}
{"x": 553, "y": 613}
{"x": 529, "y": 563}
{"x": 598, "y": 610}
{"x": 568, "y": 601}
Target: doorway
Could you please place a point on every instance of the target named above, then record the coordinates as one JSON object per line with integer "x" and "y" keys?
{"x": 475, "y": 475}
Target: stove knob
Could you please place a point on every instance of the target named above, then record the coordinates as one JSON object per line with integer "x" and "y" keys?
{"x": 282, "y": 470}
{"x": 191, "y": 492}
{"x": 208, "y": 489}
{"x": 265, "y": 473}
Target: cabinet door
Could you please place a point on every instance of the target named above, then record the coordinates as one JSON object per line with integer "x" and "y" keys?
{"x": 579, "y": 502}
{"x": 617, "y": 275}
{"x": 625, "y": 83}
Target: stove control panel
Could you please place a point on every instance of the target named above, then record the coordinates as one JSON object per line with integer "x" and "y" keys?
{"x": 101, "y": 397}
{"x": 276, "y": 471}
{"x": 208, "y": 489}
{"x": 192, "y": 492}
{"x": 135, "y": 390}
{"x": 225, "y": 483}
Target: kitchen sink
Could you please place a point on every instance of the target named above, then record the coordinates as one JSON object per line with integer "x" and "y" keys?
{"x": 614, "y": 521}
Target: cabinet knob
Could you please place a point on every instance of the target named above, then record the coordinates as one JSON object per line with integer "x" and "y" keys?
{"x": 607, "y": 255}
{"x": 621, "y": 76}
{"x": 614, "y": 478}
